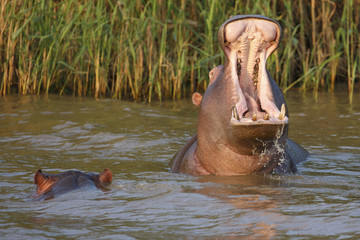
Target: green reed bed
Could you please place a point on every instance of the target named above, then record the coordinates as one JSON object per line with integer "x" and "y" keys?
{"x": 155, "y": 49}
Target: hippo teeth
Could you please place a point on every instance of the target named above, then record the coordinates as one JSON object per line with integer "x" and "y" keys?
{"x": 282, "y": 112}
{"x": 235, "y": 113}
{"x": 254, "y": 118}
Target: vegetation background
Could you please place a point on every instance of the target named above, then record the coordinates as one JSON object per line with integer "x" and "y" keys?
{"x": 157, "y": 49}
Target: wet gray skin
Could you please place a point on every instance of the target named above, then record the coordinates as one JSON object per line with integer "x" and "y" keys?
{"x": 243, "y": 118}
{"x": 50, "y": 186}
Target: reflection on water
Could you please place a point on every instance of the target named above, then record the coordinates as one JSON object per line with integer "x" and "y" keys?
{"x": 136, "y": 141}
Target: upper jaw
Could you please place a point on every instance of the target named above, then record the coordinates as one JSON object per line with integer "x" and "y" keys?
{"x": 247, "y": 42}
{"x": 239, "y": 18}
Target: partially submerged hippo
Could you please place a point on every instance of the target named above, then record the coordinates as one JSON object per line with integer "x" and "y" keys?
{"x": 243, "y": 118}
{"x": 50, "y": 186}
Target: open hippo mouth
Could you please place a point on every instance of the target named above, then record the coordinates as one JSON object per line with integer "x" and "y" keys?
{"x": 247, "y": 42}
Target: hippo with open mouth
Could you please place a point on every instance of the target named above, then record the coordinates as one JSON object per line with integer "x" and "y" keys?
{"x": 243, "y": 118}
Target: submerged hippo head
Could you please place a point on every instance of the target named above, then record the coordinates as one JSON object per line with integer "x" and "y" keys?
{"x": 243, "y": 121}
{"x": 50, "y": 186}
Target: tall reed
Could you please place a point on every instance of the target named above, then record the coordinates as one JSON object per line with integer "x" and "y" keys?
{"x": 157, "y": 49}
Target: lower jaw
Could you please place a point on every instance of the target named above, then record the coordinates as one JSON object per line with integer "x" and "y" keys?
{"x": 250, "y": 122}
{"x": 258, "y": 133}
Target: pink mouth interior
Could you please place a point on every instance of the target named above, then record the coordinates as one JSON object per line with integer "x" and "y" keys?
{"x": 248, "y": 44}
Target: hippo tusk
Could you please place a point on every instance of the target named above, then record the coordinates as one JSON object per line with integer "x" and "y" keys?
{"x": 235, "y": 113}
{"x": 282, "y": 112}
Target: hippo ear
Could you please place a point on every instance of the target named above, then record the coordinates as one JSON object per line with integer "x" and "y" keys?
{"x": 39, "y": 177}
{"x": 106, "y": 176}
{"x": 42, "y": 181}
{"x": 214, "y": 73}
{"x": 196, "y": 98}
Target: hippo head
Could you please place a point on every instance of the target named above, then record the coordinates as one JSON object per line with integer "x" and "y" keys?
{"x": 52, "y": 185}
{"x": 243, "y": 122}
{"x": 243, "y": 111}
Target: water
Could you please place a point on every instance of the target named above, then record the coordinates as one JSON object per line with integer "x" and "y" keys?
{"x": 136, "y": 141}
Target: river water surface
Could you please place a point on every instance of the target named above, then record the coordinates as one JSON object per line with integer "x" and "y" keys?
{"x": 136, "y": 141}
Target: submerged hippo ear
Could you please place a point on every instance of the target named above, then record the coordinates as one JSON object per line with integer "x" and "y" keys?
{"x": 42, "y": 181}
{"x": 196, "y": 98}
{"x": 106, "y": 176}
{"x": 39, "y": 177}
